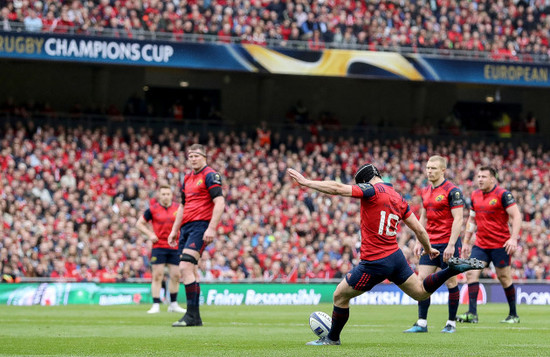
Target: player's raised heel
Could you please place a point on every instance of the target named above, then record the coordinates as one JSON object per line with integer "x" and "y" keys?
{"x": 462, "y": 265}
{"x": 323, "y": 341}
{"x": 416, "y": 328}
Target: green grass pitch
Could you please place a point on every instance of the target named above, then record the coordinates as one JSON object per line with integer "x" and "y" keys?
{"x": 264, "y": 331}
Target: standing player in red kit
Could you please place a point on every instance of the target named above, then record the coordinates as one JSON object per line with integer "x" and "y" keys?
{"x": 442, "y": 215}
{"x": 492, "y": 208}
{"x": 381, "y": 210}
{"x": 198, "y": 215}
{"x": 162, "y": 215}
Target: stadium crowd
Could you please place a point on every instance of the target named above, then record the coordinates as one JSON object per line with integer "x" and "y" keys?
{"x": 70, "y": 198}
{"x": 505, "y": 28}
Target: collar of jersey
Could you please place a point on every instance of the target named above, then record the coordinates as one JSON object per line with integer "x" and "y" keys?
{"x": 494, "y": 188}
{"x": 198, "y": 172}
{"x": 433, "y": 188}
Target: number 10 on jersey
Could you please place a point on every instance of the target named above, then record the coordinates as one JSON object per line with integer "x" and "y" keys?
{"x": 391, "y": 224}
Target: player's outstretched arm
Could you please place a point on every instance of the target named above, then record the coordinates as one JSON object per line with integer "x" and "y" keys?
{"x": 422, "y": 236}
{"x": 330, "y": 187}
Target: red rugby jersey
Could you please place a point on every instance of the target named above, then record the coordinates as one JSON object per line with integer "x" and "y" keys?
{"x": 381, "y": 212}
{"x": 199, "y": 188}
{"x": 162, "y": 218}
{"x": 438, "y": 202}
{"x": 491, "y": 217}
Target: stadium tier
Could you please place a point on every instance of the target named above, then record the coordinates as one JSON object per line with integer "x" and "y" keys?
{"x": 70, "y": 198}
{"x": 506, "y": 29}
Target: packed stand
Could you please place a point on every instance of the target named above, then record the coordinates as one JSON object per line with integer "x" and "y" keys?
{"x": 70, "y": 198}
{"x": 506, "y": 28}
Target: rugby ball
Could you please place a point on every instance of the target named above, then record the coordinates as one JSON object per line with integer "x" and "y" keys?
{"x": 320, "y": 323}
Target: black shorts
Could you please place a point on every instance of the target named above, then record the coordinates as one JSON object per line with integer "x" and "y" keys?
{"x": 370, "y": 273}
{"x": 438, "y": 262}
{"x": 191, "y": 236}
{"x": 498, "y": 256}
{"x": 165, "y": 256}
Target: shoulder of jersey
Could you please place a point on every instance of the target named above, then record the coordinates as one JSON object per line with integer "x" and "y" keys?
{"x": 364, "y": 185}
{"x": 209, "y": 170}
{"x": 379, "y": 184}
{"x": 451, "y": 185}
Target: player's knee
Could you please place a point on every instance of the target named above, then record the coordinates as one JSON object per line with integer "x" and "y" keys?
{"x": 339, "y": 298}
{"x": 471, "y": 277}
{"x": 419, "y": 294}
{"x": 187, "y": 269}
{"x": 504, "y": 273}
{"x": 175, "y": 276}
{"x": 188, "y": 258}
{"x": 451, "y": 283}
{"x": 451, "y": 286}
{"x": 504, "y": 279}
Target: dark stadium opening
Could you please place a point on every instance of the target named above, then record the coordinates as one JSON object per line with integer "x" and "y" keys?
{"x": 484, "y": 116}
{"x": 184, "y": 103}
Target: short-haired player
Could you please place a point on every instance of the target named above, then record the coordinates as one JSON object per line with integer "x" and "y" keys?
{"x": 162, "y": 214}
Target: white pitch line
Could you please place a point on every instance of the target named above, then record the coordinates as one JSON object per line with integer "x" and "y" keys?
{"x": 509, "y": 328}
{"x": 282, "y": 324}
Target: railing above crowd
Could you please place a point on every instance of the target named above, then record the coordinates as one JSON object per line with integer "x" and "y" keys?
{"x": 141, "y": 34}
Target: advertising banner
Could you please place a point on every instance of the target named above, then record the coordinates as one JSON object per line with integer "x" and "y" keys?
{"x": 266, "y": 294}
{"x": 117, "y": 294}
{"x": 255, "y": 58}
{"x": 246, "y": 294}
{"x": 469, "y": 71}
{"x": 534, "y": 294}
{"x": 74, "y": 293}
{"x": 91, "y": 49}
{"x": 390, "y": 294}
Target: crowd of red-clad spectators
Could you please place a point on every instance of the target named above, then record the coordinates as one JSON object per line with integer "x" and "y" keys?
{"x": 506, "y": 28}
{"x": 70, "y": 198}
